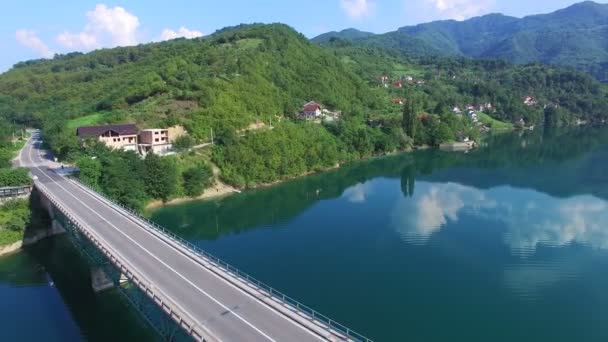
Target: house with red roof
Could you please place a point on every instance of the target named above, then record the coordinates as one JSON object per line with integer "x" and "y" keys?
{"x": 311, "y": 111}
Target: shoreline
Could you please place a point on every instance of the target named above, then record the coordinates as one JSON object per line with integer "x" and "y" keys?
{"x": 218, "y": 190}
{"x": 226, "y": 190}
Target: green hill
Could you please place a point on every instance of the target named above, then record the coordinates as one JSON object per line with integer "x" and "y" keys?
{"x": 248, "y": 73}
{"x": 347, "y": 34}
{"x": 234, "y": 77}
{"x": 576, "y": 36}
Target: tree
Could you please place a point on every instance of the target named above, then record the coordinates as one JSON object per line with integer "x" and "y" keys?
{"x": 196, "y": 179}
{"x": 15, "y": 177}
{"x": 90, "y": 170}
{"x": 183, "y": 143}
{"x": 410, "y": 116}
{"x": 160, "y": 177}
{"x": 122, "y": 179}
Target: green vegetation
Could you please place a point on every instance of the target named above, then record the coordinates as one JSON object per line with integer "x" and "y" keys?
{"x": 14, "y": 214}
{"x": 233, "y": 78}
{"x": 14, "y": 218}
{"x": 89, "y": 120}
{"x": 262, "y": 73}
{"x": 14, "y": 177}
{"x": 197, "y": 179}
{"x": 289, "y": 150}
{"x": 133, "y": 181}
{"x": 573, "y": 37}
{"x": 493, "y": 123}
{"x": 160, "y": 176}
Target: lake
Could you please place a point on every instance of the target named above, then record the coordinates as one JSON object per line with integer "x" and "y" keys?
{"x": 507, "y": 242}
{"x": 46, "y": 295}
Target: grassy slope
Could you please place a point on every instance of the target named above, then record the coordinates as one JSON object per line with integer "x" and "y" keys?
{"x": 493, "y": 123}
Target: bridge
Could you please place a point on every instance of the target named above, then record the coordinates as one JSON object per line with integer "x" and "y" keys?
{"x": 208, "y": 299}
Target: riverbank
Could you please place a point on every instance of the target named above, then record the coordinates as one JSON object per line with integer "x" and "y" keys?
{"x": 29, "y": 239}
{"x": 221, "y": 189}
{"x": 218, "y": 190}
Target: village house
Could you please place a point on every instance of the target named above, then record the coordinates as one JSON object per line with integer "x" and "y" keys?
{"x": 155, "y": 140}
{"x": 114, "y": 136}
{"x": 398, "y": 84}
{"x": 409, "y": 79}
{"x": 530, "y": 101}
{"x": 456, "y": 110}
{"x": 311, "y": 111}
{"x": 398, "y": 101}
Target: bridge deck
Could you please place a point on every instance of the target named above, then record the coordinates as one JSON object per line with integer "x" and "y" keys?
{"x": 222, "y": 310}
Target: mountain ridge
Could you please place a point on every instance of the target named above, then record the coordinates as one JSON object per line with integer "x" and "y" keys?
{"x": 575, "y": 36}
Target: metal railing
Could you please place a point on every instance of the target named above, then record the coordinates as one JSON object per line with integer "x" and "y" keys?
{"x": 314, "y": 316}
{"x": 146, "y": 286}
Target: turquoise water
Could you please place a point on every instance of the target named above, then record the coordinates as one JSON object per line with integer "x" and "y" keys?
{"x": 508, "y": 242}
{"x": 46, "y": 296}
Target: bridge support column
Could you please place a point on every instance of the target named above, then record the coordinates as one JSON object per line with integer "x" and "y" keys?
{"x": 100, "y": 281}
{"x": 46, "y": 204}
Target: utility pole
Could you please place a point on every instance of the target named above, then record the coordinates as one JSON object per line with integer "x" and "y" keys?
{"x": 212, "y": 136}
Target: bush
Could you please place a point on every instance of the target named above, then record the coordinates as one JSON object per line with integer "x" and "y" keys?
{"x": 90, "y": 170}
{"x": 197, "y": 179}
{"x": 15, "y": 177}
{"x": 183, "y": 143}
{"x": 15, "y": 216}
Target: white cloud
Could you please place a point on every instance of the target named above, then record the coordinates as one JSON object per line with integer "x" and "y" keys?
{"x": 532, "y": 219}
{"x": 30, "y": 39}
{"x": 358, "y": 193}
{"x": 183, "y": 32}
{"x": 433, "y": 206}
{"x": 460, "y": 9}
{"x": 106, "y": 27}
{"x": 357, "y": 9}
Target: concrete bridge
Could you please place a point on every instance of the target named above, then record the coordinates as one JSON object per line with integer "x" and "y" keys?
{"x": 207, "y": 298}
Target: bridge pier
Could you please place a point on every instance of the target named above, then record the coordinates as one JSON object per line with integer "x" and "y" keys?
{"x": 100, "y": 281}
{"x": 106, "y": 276}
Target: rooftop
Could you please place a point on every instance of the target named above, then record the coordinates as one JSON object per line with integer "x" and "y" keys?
{"x": 95, "y": 131}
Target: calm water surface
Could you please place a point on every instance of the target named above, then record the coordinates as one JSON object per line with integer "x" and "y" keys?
{"x": 45, "y": 295}
{"x": 509, "y": 242}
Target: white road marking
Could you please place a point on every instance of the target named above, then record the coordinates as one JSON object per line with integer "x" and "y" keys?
{"x": 300, "y": 326}
{"x": 155, "y": 257}
{"x": 281, "y": 315}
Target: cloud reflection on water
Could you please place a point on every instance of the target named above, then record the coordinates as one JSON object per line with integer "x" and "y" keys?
{"x": 531, "y": 218}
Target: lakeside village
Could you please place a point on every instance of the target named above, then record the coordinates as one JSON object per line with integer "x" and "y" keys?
{"x": 161, "y": 141}
{"x": 472, "y": 111}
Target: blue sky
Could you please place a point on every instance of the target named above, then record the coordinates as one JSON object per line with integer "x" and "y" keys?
{"x": 39, "y": 28}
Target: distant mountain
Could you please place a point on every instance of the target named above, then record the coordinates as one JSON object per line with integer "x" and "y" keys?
{"x": 576, "y": 36}
{"x": 348, "y": 35}
{"x": 406, "y": 43}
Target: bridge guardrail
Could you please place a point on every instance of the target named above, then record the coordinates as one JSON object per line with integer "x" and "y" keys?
{"x": 166, "y": 305}
{"x": 314, "y": 316}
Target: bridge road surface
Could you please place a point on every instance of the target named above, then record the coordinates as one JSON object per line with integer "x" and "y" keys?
{"x": 227, "y": 312}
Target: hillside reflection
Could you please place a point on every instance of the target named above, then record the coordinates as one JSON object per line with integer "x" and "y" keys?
{"x": 561, "y": 164}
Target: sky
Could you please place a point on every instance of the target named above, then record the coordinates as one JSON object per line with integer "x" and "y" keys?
{"x": 41, "y": 28}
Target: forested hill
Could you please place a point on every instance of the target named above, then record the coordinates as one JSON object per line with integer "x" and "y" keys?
{"x": 576, "y": 36}
{"x": 234, "y": 77}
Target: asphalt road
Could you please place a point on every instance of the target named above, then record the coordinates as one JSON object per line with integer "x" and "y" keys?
{"x": 224, "y": 310}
